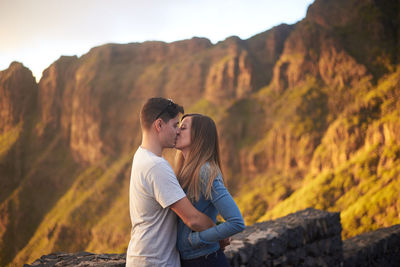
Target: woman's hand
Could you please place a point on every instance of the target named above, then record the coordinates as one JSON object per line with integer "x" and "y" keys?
{"x": 224, "y": 243}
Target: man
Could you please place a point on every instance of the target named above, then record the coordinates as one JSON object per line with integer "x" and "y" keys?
{"x": 155, "y": 193}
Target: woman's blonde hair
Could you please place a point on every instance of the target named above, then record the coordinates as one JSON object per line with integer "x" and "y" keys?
{"x": 204, "y": 148}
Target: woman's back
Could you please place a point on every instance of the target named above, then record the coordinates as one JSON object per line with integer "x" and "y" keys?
{"x": 194, "y": 244}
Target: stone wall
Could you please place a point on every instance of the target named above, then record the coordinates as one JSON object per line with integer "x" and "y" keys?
{"x": 377, "y": 248}
{"x": 306, "y": 238}
{"x": 79, "y": 259}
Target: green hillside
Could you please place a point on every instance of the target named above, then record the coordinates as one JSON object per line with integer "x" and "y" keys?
{"x": 364, "y": 186}
{"x": 308, "y": 116}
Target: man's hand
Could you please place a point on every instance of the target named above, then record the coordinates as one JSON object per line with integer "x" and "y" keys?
{"x": 224, "y": 243}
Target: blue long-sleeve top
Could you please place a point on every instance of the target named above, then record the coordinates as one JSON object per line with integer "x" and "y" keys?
{"x": 195, "y": 244}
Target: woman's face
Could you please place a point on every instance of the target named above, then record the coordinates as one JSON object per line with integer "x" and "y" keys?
{"x": 183, "y": 140}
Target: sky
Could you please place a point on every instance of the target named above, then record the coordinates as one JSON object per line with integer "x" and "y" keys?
{"x": 38, "y": 32}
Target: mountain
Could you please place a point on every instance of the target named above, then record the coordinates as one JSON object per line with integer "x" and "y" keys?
{"x": 332, "y": 138}
{"x": 308, "y": 116}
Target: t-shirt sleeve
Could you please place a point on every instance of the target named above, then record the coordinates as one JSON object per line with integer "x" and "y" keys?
{"x": 165, "y": 185}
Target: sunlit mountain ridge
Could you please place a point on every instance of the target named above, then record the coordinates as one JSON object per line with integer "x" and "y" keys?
{"x": 308, "y": 116}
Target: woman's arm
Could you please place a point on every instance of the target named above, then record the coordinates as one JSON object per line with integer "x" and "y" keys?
{"x": 193, "y": 218}
{"x": 226, "y": 206}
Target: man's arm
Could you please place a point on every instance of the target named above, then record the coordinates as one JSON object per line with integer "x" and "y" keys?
{"x": 194, "y": 219}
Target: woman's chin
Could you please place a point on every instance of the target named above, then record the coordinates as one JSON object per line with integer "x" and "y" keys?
{"x": 177, "y": 147}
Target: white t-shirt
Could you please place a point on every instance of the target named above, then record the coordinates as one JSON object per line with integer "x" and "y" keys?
{"x": 153, "y": 188}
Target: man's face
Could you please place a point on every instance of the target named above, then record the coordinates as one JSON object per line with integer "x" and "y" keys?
{"x": 169, "y": 132}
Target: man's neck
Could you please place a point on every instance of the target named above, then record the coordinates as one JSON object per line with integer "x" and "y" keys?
{"x": 152, "y": 144}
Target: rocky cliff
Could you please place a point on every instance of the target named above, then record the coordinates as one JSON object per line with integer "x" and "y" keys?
{"x": 307, "y": 114}
{"x": 18, "y": 91}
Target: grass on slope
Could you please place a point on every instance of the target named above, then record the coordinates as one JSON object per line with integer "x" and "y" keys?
{"x": 365, "y": 192}
{"x": 264, "y": 192}
{"x": 283, "y": 135}
{"x": 68, "y": 226}
{"x": 43, "y": 180}
{"x": 365, "y": 186}
{"x": 8, "y": 139}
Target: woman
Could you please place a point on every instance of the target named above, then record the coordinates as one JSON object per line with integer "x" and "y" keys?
{"x": 199, "y": 173}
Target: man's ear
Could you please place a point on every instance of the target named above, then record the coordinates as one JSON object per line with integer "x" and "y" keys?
{"x": 158, "y": 124}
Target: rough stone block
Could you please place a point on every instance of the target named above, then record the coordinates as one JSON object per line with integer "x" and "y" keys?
{"x": 290, "y": 240}
{"x": 377, "y": 248}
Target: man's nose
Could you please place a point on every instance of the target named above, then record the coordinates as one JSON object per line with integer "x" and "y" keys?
{"x": 178, "y": 131}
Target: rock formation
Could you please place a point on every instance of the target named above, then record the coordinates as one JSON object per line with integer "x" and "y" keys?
{"x": 307, "y": 114}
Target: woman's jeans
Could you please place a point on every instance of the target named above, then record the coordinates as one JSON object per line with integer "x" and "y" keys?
{"x": 214, "y": 259}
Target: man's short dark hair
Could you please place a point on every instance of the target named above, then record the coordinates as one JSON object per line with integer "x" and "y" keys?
{"x": 158, "y": 107}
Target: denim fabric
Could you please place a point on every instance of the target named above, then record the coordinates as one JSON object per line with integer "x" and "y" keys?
{"x": 215, "y": 259}
{"x": 195, "y": 244}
